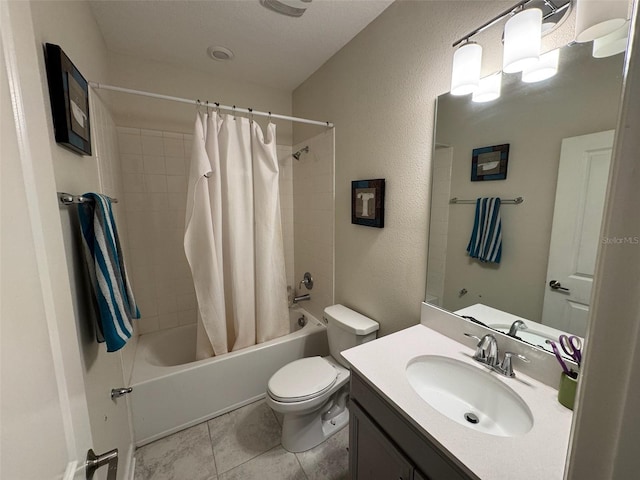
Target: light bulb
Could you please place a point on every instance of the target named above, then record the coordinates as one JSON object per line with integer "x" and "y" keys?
{"x": 597, "y": 18}
{"x": 545, "y": 67}
{"x": 489, "y": 88}
{"x": 465, "y": 75}
{"x": 522, "y": 38}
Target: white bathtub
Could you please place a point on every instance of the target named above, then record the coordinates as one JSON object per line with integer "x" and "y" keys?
{"x": 172, "y": 391}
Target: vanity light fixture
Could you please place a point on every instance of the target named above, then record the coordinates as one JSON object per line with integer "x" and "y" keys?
{"x": 522, "y": 39}
{"x": 597, "y": 18}
{"x": 489, "y": 88}
{"x": 465, "y": 75}
{"x": 545, "y": 67}
{"x": 613, "y": 43}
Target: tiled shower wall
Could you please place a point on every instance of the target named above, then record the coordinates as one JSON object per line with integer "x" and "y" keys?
{"x": 154, "y": 177}
{"x": 313, "y": 196}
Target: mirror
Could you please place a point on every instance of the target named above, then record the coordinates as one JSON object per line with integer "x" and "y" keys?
{"x": 560, "y": 134}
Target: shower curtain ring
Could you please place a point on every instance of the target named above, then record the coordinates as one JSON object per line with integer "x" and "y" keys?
{"x": 250, "y": 114}
{"x": 233, "y": 112}
{"x": 217, "y": 107}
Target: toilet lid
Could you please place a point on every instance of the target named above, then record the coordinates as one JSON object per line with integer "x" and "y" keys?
{"x": 302, "y": 379}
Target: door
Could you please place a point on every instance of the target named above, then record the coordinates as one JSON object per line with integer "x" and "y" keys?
{"x": 44, "y": 419}
{"x": 577, "y": 217}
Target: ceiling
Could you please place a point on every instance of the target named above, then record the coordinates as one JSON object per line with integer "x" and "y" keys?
{"x": 270, "y": 49}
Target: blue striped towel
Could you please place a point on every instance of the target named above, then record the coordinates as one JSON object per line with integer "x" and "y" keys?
{"x": 486, "y": 239}
{"x": 111, "y": 288}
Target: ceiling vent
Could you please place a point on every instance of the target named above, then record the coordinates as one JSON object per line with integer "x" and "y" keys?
{"x": 221, "y": 54}
{"x": 292, "y": 8}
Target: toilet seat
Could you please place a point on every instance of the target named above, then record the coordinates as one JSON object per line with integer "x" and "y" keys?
{"x": 302, "y": 380}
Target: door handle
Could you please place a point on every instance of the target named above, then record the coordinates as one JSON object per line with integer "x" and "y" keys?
{"x": 555, "y": 285}
{"x": 94, "y": 462}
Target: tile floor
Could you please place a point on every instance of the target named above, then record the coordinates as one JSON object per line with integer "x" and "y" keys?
{"x": 240, "y": 445}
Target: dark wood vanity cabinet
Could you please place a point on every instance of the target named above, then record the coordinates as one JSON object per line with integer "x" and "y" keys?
{"x": 383, "y": 445}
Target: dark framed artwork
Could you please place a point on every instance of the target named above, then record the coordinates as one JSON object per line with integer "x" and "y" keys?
{"x": 490, "y": 163}
{"x": 367, "y": 202}
{"x": 69, "y": 95}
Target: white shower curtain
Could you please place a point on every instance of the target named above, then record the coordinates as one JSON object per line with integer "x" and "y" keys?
{"x": 233, "y": 235}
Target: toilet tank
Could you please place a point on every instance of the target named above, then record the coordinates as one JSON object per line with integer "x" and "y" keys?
{"x": 347, "y": 328}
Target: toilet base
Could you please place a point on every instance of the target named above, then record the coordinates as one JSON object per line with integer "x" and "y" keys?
{"x": 303, "y": 432}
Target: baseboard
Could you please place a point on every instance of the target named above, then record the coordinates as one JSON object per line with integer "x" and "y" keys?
{"x": 129, "y": 463}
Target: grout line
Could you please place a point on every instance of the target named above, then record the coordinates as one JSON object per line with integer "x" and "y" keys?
{"x": 213, "y": 452}
{"x": 304, "y": 472}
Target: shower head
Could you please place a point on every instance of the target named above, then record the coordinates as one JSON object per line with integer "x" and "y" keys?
{"x": 299, "y": 153}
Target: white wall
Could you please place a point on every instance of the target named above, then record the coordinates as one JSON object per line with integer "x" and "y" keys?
{"x": 167, "y": 79}
{"x": 379, "y": 90}
{"x": 70, "y": 24}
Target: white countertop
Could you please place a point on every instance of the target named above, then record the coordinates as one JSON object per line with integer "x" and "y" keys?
{"x": 540, "y": 454}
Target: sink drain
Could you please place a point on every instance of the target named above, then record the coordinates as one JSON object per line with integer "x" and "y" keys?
{"x": 471, "y": 418}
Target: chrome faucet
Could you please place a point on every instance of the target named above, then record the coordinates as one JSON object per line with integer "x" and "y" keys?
{"x": 515, "y": 326}
{"x": 487, "y": 354}
{"x": 302, "y": 298}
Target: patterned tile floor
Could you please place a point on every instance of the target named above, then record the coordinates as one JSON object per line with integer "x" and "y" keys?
{"x": 240, "y": 445}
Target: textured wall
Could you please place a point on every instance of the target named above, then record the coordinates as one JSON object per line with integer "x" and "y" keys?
{"x": 379, "y": 90}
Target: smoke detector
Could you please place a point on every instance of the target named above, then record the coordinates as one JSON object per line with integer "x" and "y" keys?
{"x": 292, "y": 8}
{"x": 221, "y": 54}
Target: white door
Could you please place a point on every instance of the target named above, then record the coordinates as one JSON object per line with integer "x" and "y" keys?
{"x": 44, "y": 416}
{"x": 577, "y": 217}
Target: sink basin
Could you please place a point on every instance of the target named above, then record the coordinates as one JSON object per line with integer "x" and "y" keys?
{"x": 469, "y": 395}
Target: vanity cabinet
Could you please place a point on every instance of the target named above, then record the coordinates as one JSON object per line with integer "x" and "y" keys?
{"x": 383, "y": 445}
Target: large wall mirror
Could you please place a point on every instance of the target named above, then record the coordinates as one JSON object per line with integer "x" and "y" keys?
{"x": 560, "y": 134}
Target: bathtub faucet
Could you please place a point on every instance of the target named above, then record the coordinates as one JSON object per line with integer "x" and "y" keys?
{"x": 302, "y": 298}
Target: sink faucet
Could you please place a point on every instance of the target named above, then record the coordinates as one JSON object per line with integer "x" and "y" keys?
{"x": 487, "y": 354}
{"x": 515, "y": 326}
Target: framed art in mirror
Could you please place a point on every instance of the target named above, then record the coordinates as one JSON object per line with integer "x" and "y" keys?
{"x": 490, "y": 163}
{"x": 69, "y": 95}
{"x": 367, "y": 202}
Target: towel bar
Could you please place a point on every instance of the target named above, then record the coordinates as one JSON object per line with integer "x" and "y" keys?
{"x": 512, "y": 201}
{"x": 68, "y": 199}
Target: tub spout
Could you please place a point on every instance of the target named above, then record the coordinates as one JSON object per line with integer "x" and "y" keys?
{"x": 302, "y": 298}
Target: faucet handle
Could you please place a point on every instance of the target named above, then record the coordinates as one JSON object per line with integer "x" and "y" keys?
{"x": 507, "y": 367}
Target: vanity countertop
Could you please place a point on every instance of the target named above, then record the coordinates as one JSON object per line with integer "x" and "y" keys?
{"x": 539, "y": 454}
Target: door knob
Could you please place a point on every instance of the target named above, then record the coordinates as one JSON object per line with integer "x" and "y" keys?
{"x": 94, "y": 462}
{"x": 555, "y": 285}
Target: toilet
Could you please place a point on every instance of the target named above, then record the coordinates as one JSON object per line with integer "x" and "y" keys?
{"x": 312, "y": 392}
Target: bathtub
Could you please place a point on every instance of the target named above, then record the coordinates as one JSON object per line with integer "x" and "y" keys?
{"x": 173, "y": 391}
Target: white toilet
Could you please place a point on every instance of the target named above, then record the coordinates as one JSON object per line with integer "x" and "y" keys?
{"x": 312, "y": 392}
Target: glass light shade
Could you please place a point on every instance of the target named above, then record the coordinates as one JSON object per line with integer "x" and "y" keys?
{"x": 597, "y": 18}
{"x": 465, "y": 75}
{"x": 489, "y": 88}
{"x": 522, "y": 38}
{"x": 545, "y": 67}
{"x": 612, "y": 44}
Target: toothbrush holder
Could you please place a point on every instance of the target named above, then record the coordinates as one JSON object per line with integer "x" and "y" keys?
{"x": 567, "y": 390}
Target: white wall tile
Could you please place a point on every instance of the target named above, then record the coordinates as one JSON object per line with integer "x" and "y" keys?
{"x": 153, "y": 164}
{"x": 155, "y": 183}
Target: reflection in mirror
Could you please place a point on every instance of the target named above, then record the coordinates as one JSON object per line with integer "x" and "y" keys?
{"x": 560, "y": 134}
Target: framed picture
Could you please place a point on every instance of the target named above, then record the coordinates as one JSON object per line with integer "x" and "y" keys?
{"x": 490, "y": 163}
{"x": 367, "y": 202}
{"x": 69, "y": 95}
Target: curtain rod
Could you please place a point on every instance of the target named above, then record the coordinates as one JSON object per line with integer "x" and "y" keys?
{"x": 214, "y": 105}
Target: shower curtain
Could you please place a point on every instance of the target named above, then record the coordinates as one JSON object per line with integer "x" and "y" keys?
{"x": 233, "y": 235}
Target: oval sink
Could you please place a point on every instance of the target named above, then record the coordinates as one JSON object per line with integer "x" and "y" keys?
{"x": 469, "y": 395}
